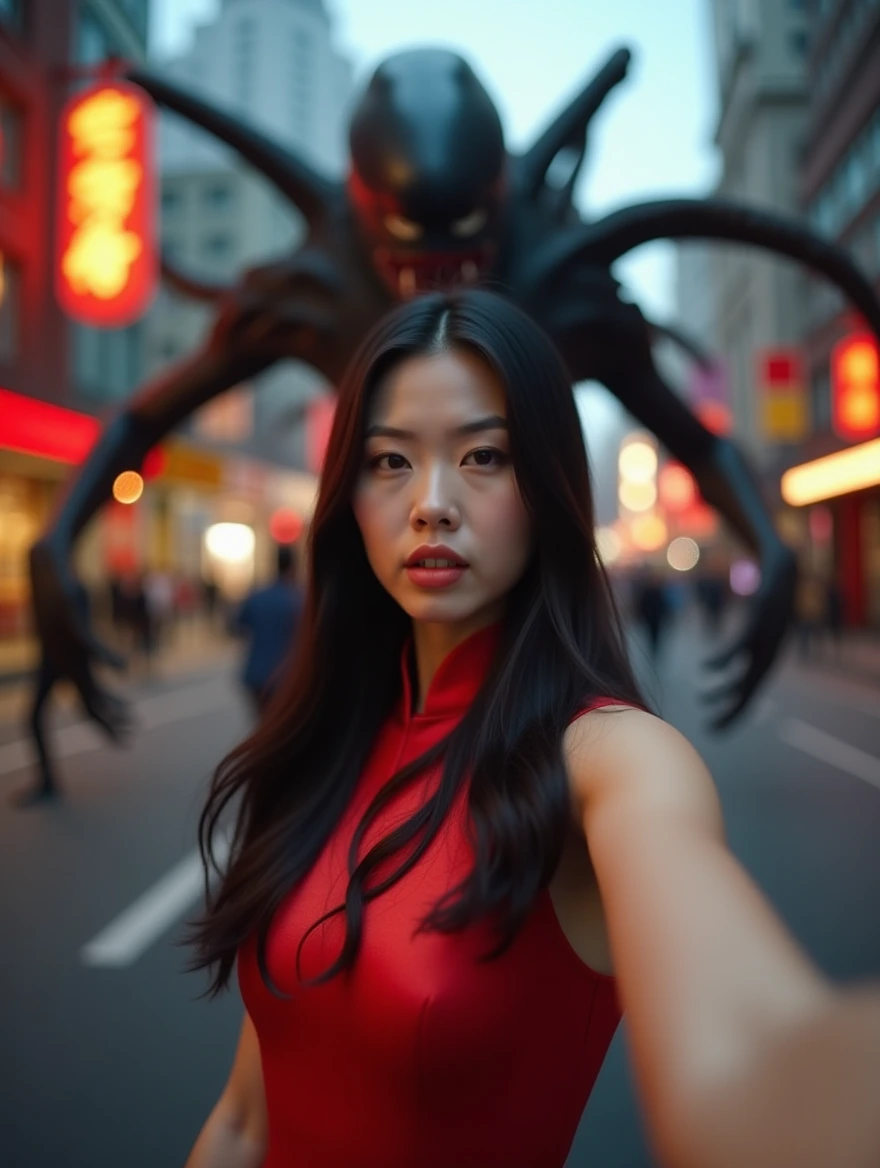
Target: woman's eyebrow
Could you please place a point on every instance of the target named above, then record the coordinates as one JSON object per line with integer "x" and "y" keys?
{"x": 491, "y": 422}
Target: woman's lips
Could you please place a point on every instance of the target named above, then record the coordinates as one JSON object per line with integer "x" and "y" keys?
{"x": 435, "y": 577}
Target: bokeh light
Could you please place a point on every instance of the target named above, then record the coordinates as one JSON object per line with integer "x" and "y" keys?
{"x": 683, "y": 554}
{"x": 648, "y": 532}
{"x": 128, "y": 487}
{"x": 637, "y": 461}
{"x": 285, "y": 526}
{"x": 745, "y": 577}
{"x": 678, "y": 491}
{"x": 230, "y": 542}
{"x": 636, "y": 495}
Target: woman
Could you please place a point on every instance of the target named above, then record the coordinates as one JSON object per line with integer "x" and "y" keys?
{"x": 432, "y": 964}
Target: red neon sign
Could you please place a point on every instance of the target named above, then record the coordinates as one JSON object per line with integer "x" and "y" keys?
{"x": 36, "y": 427}
{"x": 855, "y": 387}
{"x": 106, "y": 267}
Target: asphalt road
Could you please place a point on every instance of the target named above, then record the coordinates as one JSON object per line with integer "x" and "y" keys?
{"x": 108, "y": 1055}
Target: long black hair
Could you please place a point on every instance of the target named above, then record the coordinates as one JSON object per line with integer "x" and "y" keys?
{"x": 560, "y": 645}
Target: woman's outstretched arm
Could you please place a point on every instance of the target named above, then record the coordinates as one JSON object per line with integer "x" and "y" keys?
{"x": 235, "y": 1134}
{"x": 743, "y": 1052}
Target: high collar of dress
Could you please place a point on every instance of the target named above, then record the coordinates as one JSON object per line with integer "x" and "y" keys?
{"x": 457, "y": 680}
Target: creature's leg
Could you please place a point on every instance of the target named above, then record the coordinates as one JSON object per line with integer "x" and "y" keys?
{"x": 728, "y": 484}
{"x": 46, "y": 786}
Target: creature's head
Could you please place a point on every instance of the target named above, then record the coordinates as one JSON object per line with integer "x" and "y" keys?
{"x": 427, "y": 171}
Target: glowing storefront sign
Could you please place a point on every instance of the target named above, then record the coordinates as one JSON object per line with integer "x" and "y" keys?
{"x": 106, "y": 267}
{"x": 855, "y": 388}
{"x": 855, "y": 469}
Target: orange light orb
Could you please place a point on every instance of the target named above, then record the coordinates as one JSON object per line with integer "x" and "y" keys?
{"x": 128, "y": 487}
{"x": 648, "y": 532}
{"x": 678, "y": 491}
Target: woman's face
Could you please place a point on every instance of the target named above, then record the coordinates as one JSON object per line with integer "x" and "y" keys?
{"x": 437, "y": 484}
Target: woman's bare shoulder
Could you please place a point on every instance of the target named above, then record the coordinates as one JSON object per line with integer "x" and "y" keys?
{"x": 628, "y": 753}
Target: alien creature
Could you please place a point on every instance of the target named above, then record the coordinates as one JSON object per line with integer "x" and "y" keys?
{"x": 434, "y": 199}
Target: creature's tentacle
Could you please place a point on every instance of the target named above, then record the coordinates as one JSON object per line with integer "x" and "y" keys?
{"x": 570, "y": 127}
{"x": 611, "y": 237}
{"x": 693, "y": 349}
{"x": 188, "y": 286}
{"x": 295, "y": 179}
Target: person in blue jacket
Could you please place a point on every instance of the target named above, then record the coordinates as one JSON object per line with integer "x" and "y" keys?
{"x": 269, "y": 617}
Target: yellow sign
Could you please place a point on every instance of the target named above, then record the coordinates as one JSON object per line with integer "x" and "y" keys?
{"x": 186, "y": 464}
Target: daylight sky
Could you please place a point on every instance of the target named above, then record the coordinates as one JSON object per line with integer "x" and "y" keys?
{"x": 653, "y": 137}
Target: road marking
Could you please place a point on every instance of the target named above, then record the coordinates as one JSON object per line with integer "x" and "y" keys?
{"x": 125, "y": 939}
{"x": 81, "y": 737}
{"x": 827, "y": 748}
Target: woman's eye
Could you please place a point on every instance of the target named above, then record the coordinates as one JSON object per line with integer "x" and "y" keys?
{"x": 394, "y": 462}
{"x": 488, "y": 456}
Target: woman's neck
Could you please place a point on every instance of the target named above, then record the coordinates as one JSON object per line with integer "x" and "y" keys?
{"x": 433, "y": 641}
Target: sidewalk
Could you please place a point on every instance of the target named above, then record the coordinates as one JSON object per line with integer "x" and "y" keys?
{"x": 857, "y": 657}
{"x": 194, "y": 647}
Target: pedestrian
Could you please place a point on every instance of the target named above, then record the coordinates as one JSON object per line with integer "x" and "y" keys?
{"x": 712, "y": 596}
{"x": 269, "y": 618}
{"x": 653, "y": 609}
{"x": 462, "y": 843}
{"x": 809, "y": 613}
{"x": 834, "y": 616}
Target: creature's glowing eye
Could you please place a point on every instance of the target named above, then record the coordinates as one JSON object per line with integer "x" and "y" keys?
{"x": 470, "y": 224}
{"x": 402, "y": 228}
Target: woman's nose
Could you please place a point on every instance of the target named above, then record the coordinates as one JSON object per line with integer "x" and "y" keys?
{"x": 434, "y": 503}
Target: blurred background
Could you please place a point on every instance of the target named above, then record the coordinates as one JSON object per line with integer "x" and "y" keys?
{"x": 775, "y": 103}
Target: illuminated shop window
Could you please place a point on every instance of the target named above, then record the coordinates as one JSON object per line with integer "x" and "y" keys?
{"x": 10, "y": 302}
{"x": 10, "y": 143}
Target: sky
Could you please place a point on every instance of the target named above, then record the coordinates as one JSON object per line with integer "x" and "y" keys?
{"x": 652, "y": 138}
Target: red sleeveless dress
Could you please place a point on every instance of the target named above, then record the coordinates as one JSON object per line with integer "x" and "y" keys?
{"x": 419, "y": 1057}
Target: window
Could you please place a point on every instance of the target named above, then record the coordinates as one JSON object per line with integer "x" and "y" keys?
{"x": 171, "y": 200}
{"x": 820, "y": 397}
{"x": 216, "y": 246}
{"x": 799, "y": 42}
{"x": 10, "y": 294}
{"x": 10, "y": 144}
{"x": 217, "y": 196}
{"x": 107, "y": 362}
{"x": 92, "y": 41}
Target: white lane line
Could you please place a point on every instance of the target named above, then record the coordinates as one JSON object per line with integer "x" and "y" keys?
{"x": 81, "y": 737}
{"x": 834, "y": 751}
{"x": 123, "y": 941}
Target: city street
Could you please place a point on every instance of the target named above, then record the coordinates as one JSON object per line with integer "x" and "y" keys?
{"x": 108, "y": 1057}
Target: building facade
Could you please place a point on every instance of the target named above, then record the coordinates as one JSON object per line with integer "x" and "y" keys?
{"x": 55, "y": 377}
{"x": 272, "y": 62}
{"x": 759, "y": 300}
{"x": 840, "y": 196}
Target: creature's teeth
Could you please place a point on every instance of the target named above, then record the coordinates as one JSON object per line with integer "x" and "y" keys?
{"x": 436, "y": 564}
{"x": 469, "y": 271}
{"x": 406, "y": 281}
